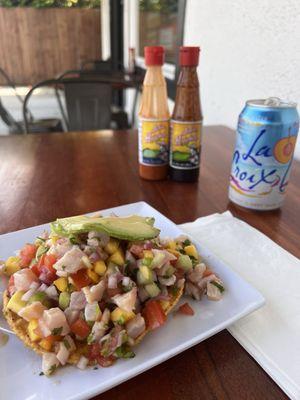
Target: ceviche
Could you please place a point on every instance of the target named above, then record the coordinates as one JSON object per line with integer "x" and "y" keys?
{"x": 89, "y": 290}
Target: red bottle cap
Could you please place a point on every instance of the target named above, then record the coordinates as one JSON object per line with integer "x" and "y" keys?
{"x": 189, "y": 56}
{"x": 154, "y": 55}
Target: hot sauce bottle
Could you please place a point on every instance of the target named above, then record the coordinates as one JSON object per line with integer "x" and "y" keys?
{"x": 154, "y": 118}
{"x": 186, "y": 122}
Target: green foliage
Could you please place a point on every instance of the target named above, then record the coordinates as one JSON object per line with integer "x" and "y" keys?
{"x": 162, "y": 6}
{"x": 51, "y": 3}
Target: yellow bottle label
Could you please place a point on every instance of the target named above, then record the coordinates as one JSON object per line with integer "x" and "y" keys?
{"x": 153, "y": 142}
{"x": 185, "y": 144}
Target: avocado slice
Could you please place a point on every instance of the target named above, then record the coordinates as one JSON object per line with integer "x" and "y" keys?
{"x": 133, "y": 227}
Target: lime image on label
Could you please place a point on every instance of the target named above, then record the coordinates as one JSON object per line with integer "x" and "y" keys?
{"x": 185, "y": 144}
{"x": 153, "y": 142}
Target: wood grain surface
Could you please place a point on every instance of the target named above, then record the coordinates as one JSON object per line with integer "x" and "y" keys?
{"x": 40, "y": 43}
{"x": 43, "y": 177}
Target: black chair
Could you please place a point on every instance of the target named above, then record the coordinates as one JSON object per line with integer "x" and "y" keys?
{"x": 88, "y": 106}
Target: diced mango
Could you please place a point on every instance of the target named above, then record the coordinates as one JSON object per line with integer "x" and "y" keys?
{"x": 33, "y": 324}
{"x": 16, "y": 303}
{"x": 148, "y": 254}
{"x": 118, "y": 257}
{"x": 191, "y": 251}
{"x": 93, "y": 276}
{"x": 47, "y": 342}
{"x": 172, "y": 245}
{"x": 61, "y": 284}
{"x": 175, "y": 252}
{"x": 12, "y": 265}
{"x": 112, "y": 246}
{"x": 100, "y": 267}
{"x": 121, "y": 316}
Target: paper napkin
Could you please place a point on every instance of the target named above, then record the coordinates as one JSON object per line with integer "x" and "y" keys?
{"x": 272, "y": 333}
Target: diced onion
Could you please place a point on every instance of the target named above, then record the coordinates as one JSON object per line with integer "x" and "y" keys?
{"x": 82, "y": 363}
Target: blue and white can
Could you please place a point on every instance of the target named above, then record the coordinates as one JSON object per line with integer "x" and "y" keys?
{"x": 266, "y": 137}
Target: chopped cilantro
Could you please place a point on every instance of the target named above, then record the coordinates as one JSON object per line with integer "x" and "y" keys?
{"x": 174, "y": 290}
{"x": 220, "y": 287}
{"x": 181, "y": 251}
{"x": 67, "y": 344}
{"x": 187, "y": 242}
{"x": 63, "y": 267}
{"x": 124, "y": 351}
{"x": 90, "y": 339}
{"x": 57, "y": 331}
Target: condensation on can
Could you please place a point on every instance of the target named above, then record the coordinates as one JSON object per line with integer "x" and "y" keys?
{"x": 266, "y": 137}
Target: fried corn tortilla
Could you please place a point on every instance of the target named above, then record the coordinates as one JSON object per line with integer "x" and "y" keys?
{"x": 19, "y": 326}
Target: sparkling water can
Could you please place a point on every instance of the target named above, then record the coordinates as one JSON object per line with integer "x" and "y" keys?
{"x": 266, "y": 137}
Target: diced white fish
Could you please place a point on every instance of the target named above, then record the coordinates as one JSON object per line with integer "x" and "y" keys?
{"x": 52, "y": 292}
{"x": 82, "y": 363}
{"x": 204, "y": 281}
{"x": 71, "y": 315}
{"x": 95, "y": 292}
{"x": 50, "y": 363}
{"x": 61, "y": 247}
{"x": 62, "y": 353}
{"x": 24, "y": 278}
{"x": 100, "y": 327}
{"x": 193, "y": 290}
{"x": 101, "y": 238}
{"x": 70, "y": 262}
{"x": 126, "y": 300}
{"x": 77, "y": 300}
{"x": 69, "y": 343}
{"x": 92, "y": 312}
{"x": 167, "y": 281}
{"x": 136, "y": 326}
{"x": 26, "y": 296}
{"x": 195, "y": 275}
{"x": 43, "y": 328}
{"x": 213, "y": 292}
{"x": 55, "y": 319}
{"x": 32, "y": 311}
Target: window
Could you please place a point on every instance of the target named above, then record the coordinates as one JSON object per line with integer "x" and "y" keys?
{"x": 158, "y": 25}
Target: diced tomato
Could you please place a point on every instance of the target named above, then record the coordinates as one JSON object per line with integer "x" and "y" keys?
{"x": 80, "y": 328}
{"x": 27, "y": 254}
{"x": 207, "y": 272}
{"x": 50, "y": 259}
{"x": 113, "y": 292}
{"x": 34, "y": 268}
{"x": 45, "y": 269}
{"x": 106, "y": 361}
{"x": 154, "y": 314}
{"x": 11, "y": 285}
{"x": 186, "y": 309}
{"x": 81, "y": 279}
{"x": 94, "y": 351}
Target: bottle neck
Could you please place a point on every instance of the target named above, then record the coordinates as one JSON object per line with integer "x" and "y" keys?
{"x": 154, "y": 76}
{"x": 188, "y": 77}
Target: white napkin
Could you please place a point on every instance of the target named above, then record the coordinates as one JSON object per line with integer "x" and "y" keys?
{"x": 272, "y": 333}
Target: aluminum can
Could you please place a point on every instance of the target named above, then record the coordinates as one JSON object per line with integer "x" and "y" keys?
{"x": 266, "y": 137}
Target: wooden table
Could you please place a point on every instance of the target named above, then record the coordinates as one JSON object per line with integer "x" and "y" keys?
{"x": 43, "y": 177}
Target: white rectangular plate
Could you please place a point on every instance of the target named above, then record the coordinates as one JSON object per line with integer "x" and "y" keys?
{"x": 20, "y": 367}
